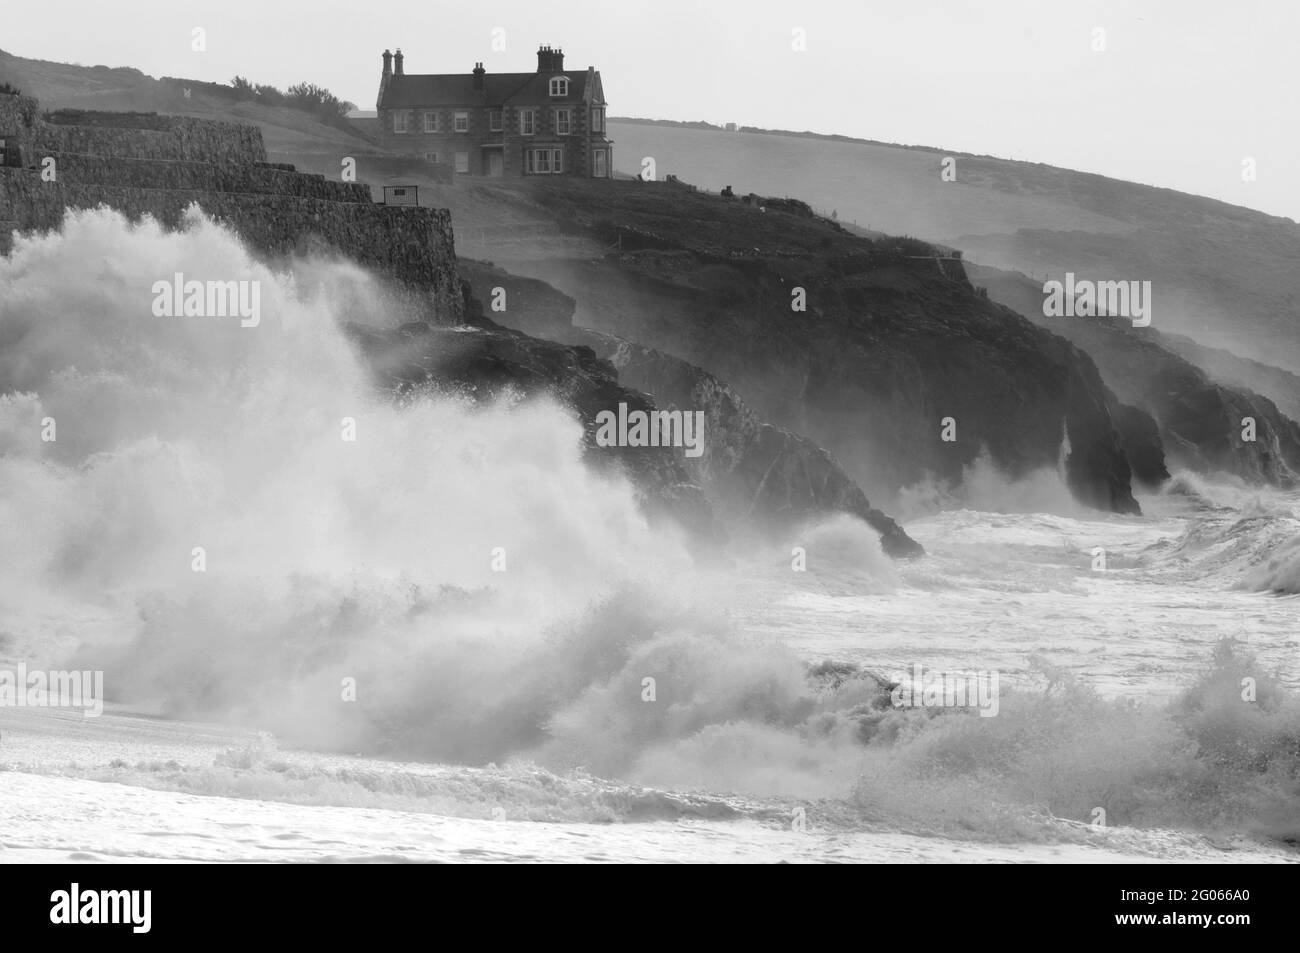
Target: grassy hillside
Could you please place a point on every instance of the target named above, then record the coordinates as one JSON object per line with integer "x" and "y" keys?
{"x": 1221, "y": 274}
{"x": 285, "y": 130}
{"x": 879, "y": 187}
{"x": 889, "y": 343}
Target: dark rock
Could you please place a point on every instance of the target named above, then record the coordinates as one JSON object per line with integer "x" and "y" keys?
{"x": 531, "y": 306}
{"x": 1140, "y": 438}
{"x": 486, "y": 361}
{"x": 755, "y": 474}
{"x": 1199, "y": 419}
{"x": 894, "y": 338}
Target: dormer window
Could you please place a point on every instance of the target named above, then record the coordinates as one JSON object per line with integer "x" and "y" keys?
{"x": 560, "y": 86}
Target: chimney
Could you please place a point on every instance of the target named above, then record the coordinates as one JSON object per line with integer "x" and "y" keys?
{"x": 479, "y": 72}
{"x": 383, "y": 79}
{"x": 544, "y": 57}
{"x": 397, "y": 62}
{"x": 557, "y": 61}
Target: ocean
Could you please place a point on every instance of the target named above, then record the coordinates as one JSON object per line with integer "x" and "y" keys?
{"x": 447, "y": 638}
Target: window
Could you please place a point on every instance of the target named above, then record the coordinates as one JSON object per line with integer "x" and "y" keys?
{"x": 544, "y": 161}
{"x": 560, "y": 86}
{"x": 494, "y": 120}
{"x": 431, "y": 156}
{"x": 430, "y": 122}
{"x": 401, "y": 195}
{"x": 599, "y": 163}
{"x": 527, "y": 122}
{"x": 462, "y": 161}
{"x": 400, "y": 120}
{"x": 563, "y": 121}
{"x": 462, "y": 122}
{"x": 598, "y": 119}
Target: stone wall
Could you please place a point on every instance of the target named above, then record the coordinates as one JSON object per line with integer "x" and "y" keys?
{"x": 204, "y": 177}
{"x": 146, "y": 164}
{"x": 195, "y": 140}
{"x": 17, "y": 127}
{"x": 411, "y": 245}
{"x": 17, "y": 112}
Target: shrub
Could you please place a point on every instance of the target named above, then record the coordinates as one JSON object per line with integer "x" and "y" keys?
{"x": 308, "y": 97}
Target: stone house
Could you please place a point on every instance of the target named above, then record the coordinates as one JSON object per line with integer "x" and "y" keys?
{"x": 549, "y": 122}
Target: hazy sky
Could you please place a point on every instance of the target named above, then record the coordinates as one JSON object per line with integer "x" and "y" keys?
{"x": 1183, "y": 92}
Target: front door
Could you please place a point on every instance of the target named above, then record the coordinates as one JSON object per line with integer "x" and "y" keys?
{"x": 496, "y": 166}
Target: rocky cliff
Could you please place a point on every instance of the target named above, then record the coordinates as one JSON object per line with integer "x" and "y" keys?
{"x": 1280, "y": 386}
{"x": 754, "y": 473}
{"x": 1200, "y": 421}
{"x": 892, "y": 339}
{"x": 146, "y": 164}
{"x": 485, "y": 361}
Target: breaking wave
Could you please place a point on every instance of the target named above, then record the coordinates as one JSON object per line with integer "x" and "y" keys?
{"x": 455, "y": 586}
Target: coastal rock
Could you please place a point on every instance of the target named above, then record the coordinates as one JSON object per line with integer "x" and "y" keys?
{"x": 892, "y": 338}
{"x": 1200, "y": 421}
{"x": 755, "y": 473}
{"x": 487, "y": 361}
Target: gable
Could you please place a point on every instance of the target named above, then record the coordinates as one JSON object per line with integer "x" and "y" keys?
{"x": 595, "y": 92}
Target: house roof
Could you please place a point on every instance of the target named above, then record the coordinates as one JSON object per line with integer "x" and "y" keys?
{"x": 412, "y": 90}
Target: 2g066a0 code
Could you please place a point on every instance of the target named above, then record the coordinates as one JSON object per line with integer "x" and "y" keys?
{"x": 1155, "y": 896}
{"x": 1220, "y": 895}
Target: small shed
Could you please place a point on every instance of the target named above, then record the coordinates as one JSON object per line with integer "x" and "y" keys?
{"x": 401, "y": 195}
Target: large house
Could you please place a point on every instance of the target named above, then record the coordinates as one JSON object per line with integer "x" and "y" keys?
{"x": 551, "y": 122}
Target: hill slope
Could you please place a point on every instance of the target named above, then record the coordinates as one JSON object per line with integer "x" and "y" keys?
{"x": 1222, "y": 274}
{"x": 284, "y": 130}
{"x": 708, "y": 284}
{"x": 1199, "y": 418}
{"x": 890, "y": 345}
